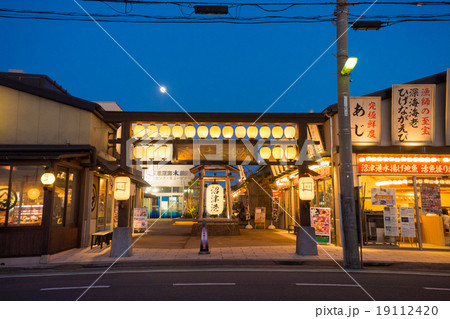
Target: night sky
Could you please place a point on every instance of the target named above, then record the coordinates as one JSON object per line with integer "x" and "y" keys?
{"x": 218, "y": 67}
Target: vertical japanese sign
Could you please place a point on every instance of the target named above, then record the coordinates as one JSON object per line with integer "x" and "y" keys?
{"x": 276, "y": 194}
{"x": 390, "y": 221}
{"x": 407, "y": 226}
{"x": 412, "y": 113}
{"x": 430, "y": 196}
{"x": 214, "y": 199}
{"x": 365, "y": 119}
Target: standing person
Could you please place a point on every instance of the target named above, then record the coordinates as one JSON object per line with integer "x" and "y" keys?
{"x": 446, "y": 218}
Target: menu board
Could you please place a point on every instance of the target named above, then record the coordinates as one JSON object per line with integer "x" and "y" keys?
{"x": 407, "y": 226}
{"x": 430, "y": 196}
{"x": 320, "y": 220}
{"x": 140, "y": 218}
{"x": 383, "y": 196}
{"x": 390, "y": 221}
{"x": 260, "y": 215}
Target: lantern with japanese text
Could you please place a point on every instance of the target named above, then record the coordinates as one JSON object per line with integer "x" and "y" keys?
{"x": 214, "y": 199}
{"x": 306, "y": 188}
{"x": 122, "y": 186}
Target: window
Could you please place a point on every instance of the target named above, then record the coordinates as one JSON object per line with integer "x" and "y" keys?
{"x": 65, "y": 199}
{"x": 21, "y": 195}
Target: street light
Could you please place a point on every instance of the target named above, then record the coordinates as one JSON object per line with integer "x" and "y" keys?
{"x": 367, "y": 25}
{"x": 349, "y": 65}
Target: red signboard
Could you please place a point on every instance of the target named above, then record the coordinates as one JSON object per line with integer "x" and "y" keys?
{"x": 404, "y": 164}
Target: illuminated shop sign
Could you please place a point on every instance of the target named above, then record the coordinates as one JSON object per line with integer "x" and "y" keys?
{"x": 404, "y": 164}
{"x": 365, "y": 120}
{"x": 214, "y": 199}
{"x": 412, "y": 114}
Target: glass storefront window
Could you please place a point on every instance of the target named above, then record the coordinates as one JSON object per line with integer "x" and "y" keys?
{"x": 21, "y": 195}
{"x": 65, "y": 197}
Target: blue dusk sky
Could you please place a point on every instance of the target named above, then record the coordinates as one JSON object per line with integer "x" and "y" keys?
{"x": 219, "y": 67}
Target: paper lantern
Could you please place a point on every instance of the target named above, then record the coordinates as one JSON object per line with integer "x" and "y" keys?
{"x": 265, "y": 152}
{"x": 151, "y": 152}
{"x": 152, "y": 131}
{"x": 202, "y": 131}
{"x": 277, "y": 132}
{"x": 122, "y": 186}
{"x": 139, "y": 131}
{"x": 177, "y": 131}
{"x": 277, "y": 152}
{"x": 189, "y": 131}
{"x": 164, "y": 131}
{"x": 289, "y": 132}
{"x": 162, "y": 151}
{"x": 227, "y": 132}
{"x": 240, "y": 131}
{"x": 214, "y": 131}
{"x": 291, "y": 152}
{"x": 48, "y": 179}
{"x": 306, "y": 188}
{"x": 33, "y": 193}
{"x": 214, "y": 199}
{"x": 264, "y": 132}
{"x": 252, "y": 132}
{"x": 139, "y": 151}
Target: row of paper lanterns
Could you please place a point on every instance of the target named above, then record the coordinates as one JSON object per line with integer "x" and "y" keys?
{"x": 165, "y": 131}
{"x": 277, "y": 152}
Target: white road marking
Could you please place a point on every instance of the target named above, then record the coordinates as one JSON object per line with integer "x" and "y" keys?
{"x": 435, "y": 288}
{"x": 72, "y": 288}
{"x": 204, "y": 284}
{"x": 325, "y": 285}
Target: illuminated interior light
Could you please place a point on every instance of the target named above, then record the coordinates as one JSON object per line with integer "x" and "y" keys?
{"x": 403, "y": 159}
{"x": 421, "y": 159}
{"x": 313, "y": 167}
{"x": 214, "y": 131}
{"x": 264, "y": 132}
{"x": 409, "y": 159}
{"x": 427, "y": 159}
{"x": 397, "y": 159}
{"x": 415, "y": 159}
{"x": 445, "y": 160}
{"x": 289, "y": 132}
{"x": 362, "y": 159}
{"x": 434, "y": 159}
{"x": 324, "y": 163}
{"x": 391, "y": 159}
{"x": 385, "y": 159}
{"x": 293, "y": 175}
{"x": 379, "y": 159}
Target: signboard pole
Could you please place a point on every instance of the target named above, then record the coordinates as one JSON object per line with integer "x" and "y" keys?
{"x": 416, "y": 203}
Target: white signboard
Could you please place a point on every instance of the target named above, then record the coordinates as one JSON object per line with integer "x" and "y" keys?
{"x": 412, "y": 113}
{"x": 140, "y": 218}
{"x": 407, "y": 225}
{"x": 365, "y": 120}
{"x": 214, "y": 199}
{"x": 383, "y": 196}
{"x": 390, "y": 221}
{"x": 260, "y": 215}
{"x": 168, "y": 175}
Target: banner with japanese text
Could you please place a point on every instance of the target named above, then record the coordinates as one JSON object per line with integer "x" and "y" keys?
{"x": 365, "y": 119}
{"x": 412, "y": 113}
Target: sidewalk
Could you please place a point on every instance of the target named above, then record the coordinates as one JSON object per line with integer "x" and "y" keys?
{"x": 251, "y": 247}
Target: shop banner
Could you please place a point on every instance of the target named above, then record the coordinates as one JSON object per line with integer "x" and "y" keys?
{"x": 430, "y": 196}
{"x": 390, "y": 221}
{"x": 140, "y": 218}
{"x": 412, "y": 113}
{"x": 320, "y": 220}
{"x": 407, "y": 225}
{"x": 276, "y": 194}
{"x": 365, "y": 119}
{"x": 383, "y": 196}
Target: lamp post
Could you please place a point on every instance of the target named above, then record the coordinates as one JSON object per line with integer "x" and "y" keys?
{"x": 347, "y": 209}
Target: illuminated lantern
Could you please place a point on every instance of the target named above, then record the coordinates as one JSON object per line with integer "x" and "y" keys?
{"x": 227, "y": 132}
{"x": 152, "y": 131}
{"x": 202, "y": 131}
{"x": 164, "y": 131}
{"x": 151, "y": 152}
{"x": 289, "y": 132}
{"x": 264, "y": 132}
{"x": 277, "y": 152}
{"x": 33, "y": 193}
{"x": 189, "y": 131}
{"x": 306, "y": 188}
{"x": 291, "y": 152}
{"x": 265, "y": 152}
{"x": 139, "y": 131}
{"x": 214, "y": 199}
{"x": 252, "y": 131}
{"x": 177, "y": 131}
{"x": 139, "y": 151}
{"x": 162, "y": 151}
{"x": 240, "y": 131}
{"x": 122, "y": 186}
{"x": 48, "y": 179}
{"x": 277, "y": 132}
{"x": 214, "y": 131}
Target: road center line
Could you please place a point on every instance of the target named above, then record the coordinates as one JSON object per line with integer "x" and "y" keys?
{"x": 71, "y": 288}
{"x": 204, "y": 284}
{"x": 325, "y": 285}
{"x": 435, "y": 288}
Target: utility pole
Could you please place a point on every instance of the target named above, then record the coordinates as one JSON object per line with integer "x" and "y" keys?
{"x": 347, "y": 209}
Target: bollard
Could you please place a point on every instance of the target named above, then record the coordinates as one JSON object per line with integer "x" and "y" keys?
{"x": 204, "y": 249}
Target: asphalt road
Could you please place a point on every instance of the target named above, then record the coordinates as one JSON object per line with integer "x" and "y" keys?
{"x": 223, "y": 284}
